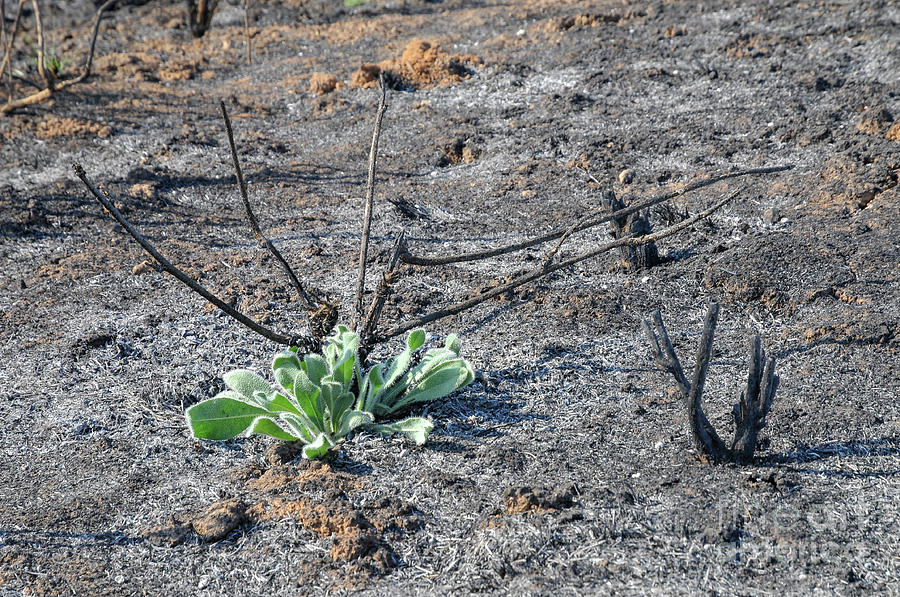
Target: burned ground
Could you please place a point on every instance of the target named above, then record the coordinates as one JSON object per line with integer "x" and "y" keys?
{"x": 567, "y": 468}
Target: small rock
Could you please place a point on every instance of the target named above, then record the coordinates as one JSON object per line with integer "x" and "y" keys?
{"x": 772, "y": 216}
{"x": 626, "y": 176}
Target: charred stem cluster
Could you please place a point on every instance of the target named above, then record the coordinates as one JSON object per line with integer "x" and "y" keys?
{"x": 751, "y": 409}
{"x": 323, "y": 314}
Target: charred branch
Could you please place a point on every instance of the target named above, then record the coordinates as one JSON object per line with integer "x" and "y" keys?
{"x": 596, "y": 220}
{"x": 304, "y": 341}
{"x": 545, "y": 270}
{"x": 310, "y": 300}
{"x": 385, "y": 289}
{"x": 750, "y": 411}
{"x": 367, "y": 212}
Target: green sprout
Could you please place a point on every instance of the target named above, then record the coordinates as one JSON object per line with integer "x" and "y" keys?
{"x": 53, "y": 63}
{"x": 321, "y": 398}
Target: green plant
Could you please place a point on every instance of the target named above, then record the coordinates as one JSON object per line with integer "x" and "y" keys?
{"x": 321, "y": 398}
{"x": 53, "y": 64}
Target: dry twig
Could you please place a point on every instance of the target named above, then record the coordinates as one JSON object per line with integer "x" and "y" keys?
{"x": 542, "y": 271}
{"x": 247, "y": 32}
{"x": 589, "y": 223}
{"x": 51, "y": 83}
{"x": 305, "y": 341}
{"x": 385, "y": 288}
{"x": 750, "y": 411}
{"x": 323, "y": 320}
{"x": 311, "y": 301}
{"x": 367, "y": 213}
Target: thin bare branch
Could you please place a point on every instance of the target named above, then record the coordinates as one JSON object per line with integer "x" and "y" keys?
{"x": 5, "y": 66}
{"x": 385, "y": 287}
{"x": 664, "y": 352}
{"x": 311, "y": 302}
{"x": 541, "y": 272}
{"x": 247, "y": 32}
{"x": 89, "y": 61}
{"x": 367, "y": 214}
{"x": 303, "y": 341}
{"x": 56, "y": 84}
{"x": 590, "y": 223}
{"x": 42, "y": 71}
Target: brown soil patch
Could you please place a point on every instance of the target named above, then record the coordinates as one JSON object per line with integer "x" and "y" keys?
{"x": 893, "y": 133}
{"x": 316, "y": 475}
{"x": 519, "y": 500}
{"x": 422, "y": 64}
{"x": 53, "y": 126}
{"x": 322, "y": 83}
{"x": 874, "y": 120}
{"x": 220, "y": 519}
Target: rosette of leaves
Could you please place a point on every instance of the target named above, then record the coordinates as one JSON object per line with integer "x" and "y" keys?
{"x": 316, "y": 401}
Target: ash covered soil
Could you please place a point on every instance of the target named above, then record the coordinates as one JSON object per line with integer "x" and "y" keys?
{"x": 567, "y": 468}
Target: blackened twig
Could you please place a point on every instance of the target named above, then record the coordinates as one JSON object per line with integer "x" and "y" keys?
{"x": 706, "y": 440}
{"x": 39, "y": 31}
{"x": 385, "y": 287}
{"x": 303, "y": 341}
{"x": 367, "y": 214}
{"x": 750, "y": 411}
{"x": 311, "y": 302}
{"x": 756, "y": 400}
{"x": 664, "y": 354}
{"x": 86, "y": 71}
{"x": 600, "y": 219}
{"x": 541, "y": 271}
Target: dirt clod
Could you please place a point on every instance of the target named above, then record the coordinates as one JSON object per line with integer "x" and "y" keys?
{"x": 322, "y": 83}
{"x": 219, "y": 520}
{"x": 519, "y": 500}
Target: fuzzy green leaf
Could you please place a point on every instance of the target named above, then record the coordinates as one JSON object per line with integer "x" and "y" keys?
{"x": 300, "y": 425}
{"x": 222, "y": 417}
{"x": 368, "y": 393}
{"x": 439, "y": 382}
{"x": 317, "y": 448}
{"x": 308, "y": 398}
{"x": 344, "y": 369}
{"x": 315, "y": 367}
{"x": 415, "y": 428}
{"x": 266, "y": 426}
{"x": 415, "y": 339}
{"x": 353, "y": 419}
{"x": 453, "y": 344}
{"x": 285, "y": 365}
{"x": 246, "y": 383}
{"x": 278, "y": 403}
